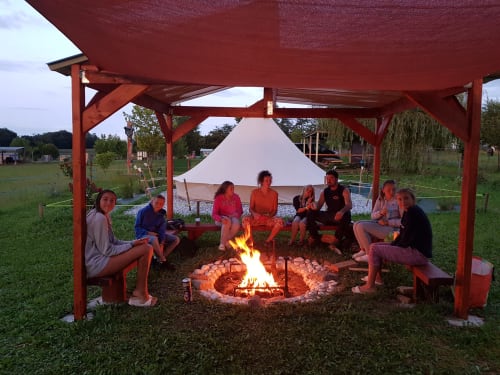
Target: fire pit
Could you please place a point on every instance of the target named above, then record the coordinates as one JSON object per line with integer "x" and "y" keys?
{"x": 273, "y": 280}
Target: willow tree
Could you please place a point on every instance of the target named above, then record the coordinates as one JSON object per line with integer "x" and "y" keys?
{"x": 411, "y": 134}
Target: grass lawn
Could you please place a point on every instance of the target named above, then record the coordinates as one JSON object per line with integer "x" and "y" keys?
{"x": 343, "y": 333}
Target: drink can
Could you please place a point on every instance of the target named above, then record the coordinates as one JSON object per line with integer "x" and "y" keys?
{"x": 188, "y": 291}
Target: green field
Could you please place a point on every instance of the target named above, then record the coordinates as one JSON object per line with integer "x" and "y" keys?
{"x": 342, "y": 333}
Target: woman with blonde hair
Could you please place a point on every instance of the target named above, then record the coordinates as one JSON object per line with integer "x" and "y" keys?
{"x": 302, "y": 204}
{"x": 412, "y": 247}
{"x": 385, "y": 219}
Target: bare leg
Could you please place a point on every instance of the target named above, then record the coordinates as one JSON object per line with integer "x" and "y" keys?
{"x": 276, "y": 228}
{"x": 171, "y": 247}
{"x": 158, "y": 249}
{"x": 302, "y": 227}
{"x": 143, "y": 254}
{"x": 233, "y": 230}
{"x": 373, "y": 271}
{"x": 295, "y": 229}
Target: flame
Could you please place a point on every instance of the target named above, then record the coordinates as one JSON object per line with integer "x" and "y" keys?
{"x": 256, "y": 276}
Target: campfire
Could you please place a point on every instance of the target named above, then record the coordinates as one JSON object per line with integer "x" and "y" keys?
{"x": 271, "y": 279}
{"x": 257, "y": 280}
{"x": 241, "y": 279}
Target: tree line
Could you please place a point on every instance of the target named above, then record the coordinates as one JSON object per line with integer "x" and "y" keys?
{"x": 410, "y": 133}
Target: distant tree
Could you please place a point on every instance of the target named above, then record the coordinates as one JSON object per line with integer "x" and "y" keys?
{"x": 61, "y": 139}
{"x": 193, "y": 141}
{"x": 148, "y": 134}
{"x": 490, "y": 123}
{"x": 409, "y": 135}
{"x": 285, "y": 124}
{"x": 104, "y": 160}
{"x": 297, "y": 129}
{"x": 49, "y": 149}
{"x": 90, "y": 140}
{"x": 111, "y": 143}
{"x": 217, "y": 135}
{"x": 6, "y": 137}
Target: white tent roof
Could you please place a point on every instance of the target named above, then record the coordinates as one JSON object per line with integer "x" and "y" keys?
{"x": 255, "y": 144}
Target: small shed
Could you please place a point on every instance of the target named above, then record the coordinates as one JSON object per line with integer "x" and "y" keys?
{"x": 10, "y": 155}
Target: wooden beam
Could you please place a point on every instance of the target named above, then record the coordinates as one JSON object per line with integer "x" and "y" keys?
{"x": 187, "y": 126}
{"x": 259, "y": 111}
{"x": 448, "y": 111}
{"x": 170, "y": 169}
{"x": 79, "y": 202}
{"x": 358, "y": 128}
{"x": 401, "y": 105}
{"x": 382, "y": 128}
{"x": 468, "y": 202}
{"x": 101, "y": 109}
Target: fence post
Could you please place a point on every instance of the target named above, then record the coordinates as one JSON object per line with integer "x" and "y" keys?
{"x": 486, "y": 198}
{"x": 41, "y": 208}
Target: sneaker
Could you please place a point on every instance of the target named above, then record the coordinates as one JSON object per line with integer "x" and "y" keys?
{"x": 362, "y": 259}
{"x": 359, "y": 254}
{"x": 222, "y": 247}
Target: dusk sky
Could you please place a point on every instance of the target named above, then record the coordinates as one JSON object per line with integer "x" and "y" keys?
{"x": 35, "y": 100}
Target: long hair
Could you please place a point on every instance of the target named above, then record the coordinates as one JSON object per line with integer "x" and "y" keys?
{"x": 97, "y": 204}
{"x": 223, "y": 188}
{"x": 381, "y": 196}
{"x": 303, "y": 199}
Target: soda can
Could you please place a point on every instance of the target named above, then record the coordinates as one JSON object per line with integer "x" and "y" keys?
{"x": 188, "y": 291}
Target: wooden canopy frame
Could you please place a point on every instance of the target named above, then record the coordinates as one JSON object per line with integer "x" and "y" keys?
{"x": 114, "y": 91}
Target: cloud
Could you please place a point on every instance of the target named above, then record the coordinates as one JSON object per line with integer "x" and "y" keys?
{"x": 18, "y": 66}
{"x": 14, "y": 16}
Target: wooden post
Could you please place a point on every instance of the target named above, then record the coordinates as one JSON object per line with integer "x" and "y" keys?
{"x": 468, "y": 203}
{"x": 41, "y": 208}
{"x": 79, "y": 200}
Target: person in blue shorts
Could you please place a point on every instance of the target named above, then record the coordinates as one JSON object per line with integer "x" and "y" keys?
{"x": 150, "y": 222}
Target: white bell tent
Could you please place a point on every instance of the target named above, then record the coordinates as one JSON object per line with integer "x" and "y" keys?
{"x": 255, "y": 144}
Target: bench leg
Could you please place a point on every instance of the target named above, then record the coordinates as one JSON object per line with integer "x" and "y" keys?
{"x": 423, "y": 292}
{"x": 117, "y": 291}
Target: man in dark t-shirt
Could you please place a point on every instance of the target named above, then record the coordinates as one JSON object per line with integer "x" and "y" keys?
{"x": 338, "y": 211}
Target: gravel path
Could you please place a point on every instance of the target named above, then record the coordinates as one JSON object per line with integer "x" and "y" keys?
{"x": 360, "y": 204}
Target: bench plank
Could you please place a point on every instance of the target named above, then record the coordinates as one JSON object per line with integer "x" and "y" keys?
{"x": 426, "y": 281}
{"x": 194, "y": 230}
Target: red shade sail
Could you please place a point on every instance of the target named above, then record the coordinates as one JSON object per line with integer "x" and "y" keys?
{"x": 355, "y": 45}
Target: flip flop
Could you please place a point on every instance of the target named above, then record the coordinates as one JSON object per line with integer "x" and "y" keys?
{"x": 357, "y": 290}
{"x": 136, "y": 301}
{"x": 365, "y": 279}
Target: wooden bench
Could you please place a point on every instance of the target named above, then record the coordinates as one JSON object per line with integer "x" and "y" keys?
{"x": 114, "y": 287}
{"x": 426, "y": 281}
{"x": 194, "y": 231}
